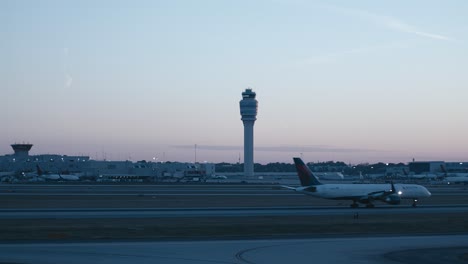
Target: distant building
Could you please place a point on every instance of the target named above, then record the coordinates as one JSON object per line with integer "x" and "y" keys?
{"x": 420, "y": 167}
{"x": 456, "y": 166}
{"x": 21, "y": 163}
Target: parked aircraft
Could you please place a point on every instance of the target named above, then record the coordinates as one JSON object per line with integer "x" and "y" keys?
{"x": 358, "y": 193}
{"x": 451, "y": 174}
{"x": 452, "y": 177}
{"x": 455, "y": 179}
{"x": 427, "y": 176}
{"x": 219, "y": 177}
{"x": 330, "y": 176}
{"x": 69, "y": 177}
{"x": 7, "y": 176}
{"x": 56, "y": 177}
{"x": 46, "y": 176}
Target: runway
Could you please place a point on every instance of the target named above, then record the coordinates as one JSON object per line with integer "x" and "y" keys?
{"x": 81, "y": 201}
{"x": 124, "y": 211}
{"x": 173, "y": 189}
{"x": 85, "y": 196}
{"x": 220, "y": 212}
{"x": 378, "y": 250}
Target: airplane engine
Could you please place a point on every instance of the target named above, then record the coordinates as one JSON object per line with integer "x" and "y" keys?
{"x": 311, "y": 189}
{"x": 365, "y": 200}
{"x": 392, "y": 199}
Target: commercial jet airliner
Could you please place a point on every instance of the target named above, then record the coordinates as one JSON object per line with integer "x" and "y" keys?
{"x": 358, "y": 193}
{"x": 56, "y": 177}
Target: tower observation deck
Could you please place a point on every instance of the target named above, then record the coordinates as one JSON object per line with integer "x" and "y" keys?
{"x": 21, "y": 150}
{"x": 248, "y": 111}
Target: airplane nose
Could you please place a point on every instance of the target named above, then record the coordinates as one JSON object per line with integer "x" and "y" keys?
{"x": 428, "y": 193}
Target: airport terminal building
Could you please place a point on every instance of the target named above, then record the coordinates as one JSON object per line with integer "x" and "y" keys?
{"x": 420, "y": 167}
{"x": 21, "y": 166}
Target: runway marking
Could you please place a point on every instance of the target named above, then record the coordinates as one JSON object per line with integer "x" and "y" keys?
{"x": 240, "y": 255}
{"x": 217, "y": 212}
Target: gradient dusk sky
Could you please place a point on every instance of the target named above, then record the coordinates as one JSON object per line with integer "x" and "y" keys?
{"x": 355, "y": 81}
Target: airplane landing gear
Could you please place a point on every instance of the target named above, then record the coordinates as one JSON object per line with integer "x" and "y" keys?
{"x": 354, "y": 205}
{"x": 414, "y": 202}
{"x": 369, "y": 205}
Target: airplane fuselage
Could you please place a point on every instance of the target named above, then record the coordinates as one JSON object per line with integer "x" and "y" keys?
{"x": 358, "y": 191}
{"x": 456, "y": 179}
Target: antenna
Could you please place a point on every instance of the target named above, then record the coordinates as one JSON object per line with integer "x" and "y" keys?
{"x": 195, "y": 154}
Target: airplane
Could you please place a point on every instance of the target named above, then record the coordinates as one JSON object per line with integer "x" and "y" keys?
{"x": 219, "y": 177}
{"x": 456, "y": 179}
{"x": 451, "y": 174}
{"x": 56, "y": 177}
{"x": 7, "y": 176}
{"x": 69, "y": 177}
{"x": 330, "y": 176}
{"x": 427, "y": 176}
{"x": 453, "y": 177}
{"x": 358, "y": 193}
{"x": 7, "y": 173}
{"x": 46, "y": 176}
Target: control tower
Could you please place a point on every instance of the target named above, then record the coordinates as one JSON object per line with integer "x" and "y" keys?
{"x": 21, "y": 150}
{"x": 248, "y": 111}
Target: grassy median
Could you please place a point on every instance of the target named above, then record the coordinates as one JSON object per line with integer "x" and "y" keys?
{"x": 230, "y": 227}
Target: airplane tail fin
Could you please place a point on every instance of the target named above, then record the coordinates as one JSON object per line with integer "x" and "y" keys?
{"x": 393, "y": 190}
{"x": 442, "y": 168}
{"x": 39, "y": 171}
{"x": 306, "y": 176}
{"x": 405, "y": 172}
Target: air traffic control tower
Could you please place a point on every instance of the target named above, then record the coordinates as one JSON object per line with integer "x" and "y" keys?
{"x": 248, "y": 111}
{"x": 21, "y": 150}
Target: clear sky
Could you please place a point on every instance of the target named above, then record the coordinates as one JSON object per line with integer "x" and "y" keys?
{"x": 355, "y": 81}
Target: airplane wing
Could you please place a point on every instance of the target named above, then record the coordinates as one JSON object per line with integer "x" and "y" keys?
{"x": 385, "y": 196}
{"x": 287, "y": 187}
{"x": 384, "y": 193}
{"x": 377, "y": 194}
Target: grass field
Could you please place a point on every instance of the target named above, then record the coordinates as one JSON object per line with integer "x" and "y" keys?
{"x": 231, "y": 227}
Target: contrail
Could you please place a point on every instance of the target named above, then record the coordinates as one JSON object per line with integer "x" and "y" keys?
{"x": 331, "y": 57}
{"x": 401, "y": 26}
{"x": 390, "y": 22}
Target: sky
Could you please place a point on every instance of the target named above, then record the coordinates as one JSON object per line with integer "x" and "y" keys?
{"x": 353, "y": 81}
